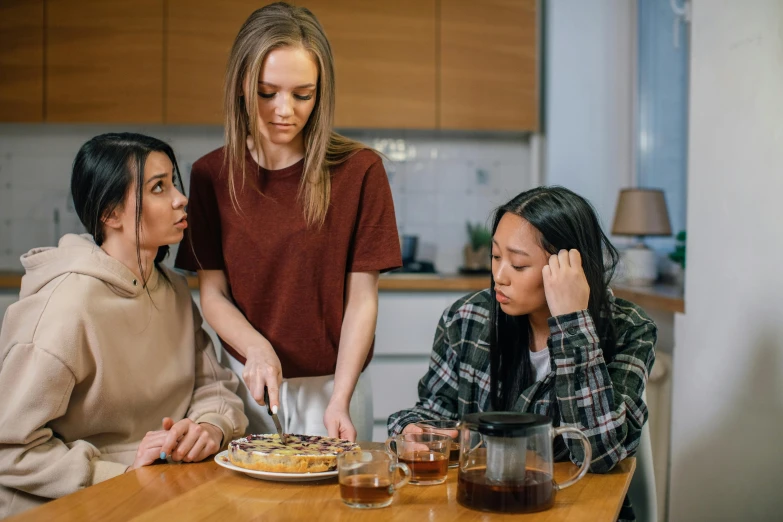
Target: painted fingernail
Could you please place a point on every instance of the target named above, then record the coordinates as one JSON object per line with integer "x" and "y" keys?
{"x": 274, "y": 409}
{"x": 163, "y": 455}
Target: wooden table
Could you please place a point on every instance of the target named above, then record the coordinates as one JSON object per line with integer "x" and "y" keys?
{"x": 205, "y": 491}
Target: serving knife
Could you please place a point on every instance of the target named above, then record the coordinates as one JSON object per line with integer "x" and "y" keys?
{"x": 278, "y": 426}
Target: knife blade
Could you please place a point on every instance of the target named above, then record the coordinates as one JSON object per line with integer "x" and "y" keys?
{"x": 278, "y": 426}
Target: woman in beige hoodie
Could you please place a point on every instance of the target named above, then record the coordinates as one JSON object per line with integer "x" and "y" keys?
{"x": 104, "y": 366}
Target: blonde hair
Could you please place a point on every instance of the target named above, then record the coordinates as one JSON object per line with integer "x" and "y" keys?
{"x": 271, "y": 27}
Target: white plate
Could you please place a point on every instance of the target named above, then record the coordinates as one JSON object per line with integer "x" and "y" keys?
{"x": 222, "y": 460}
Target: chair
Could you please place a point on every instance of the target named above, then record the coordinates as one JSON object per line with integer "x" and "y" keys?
{"x": 641, "y": 491}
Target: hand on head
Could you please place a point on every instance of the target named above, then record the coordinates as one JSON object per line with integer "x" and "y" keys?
{"x": 565, "y": 283}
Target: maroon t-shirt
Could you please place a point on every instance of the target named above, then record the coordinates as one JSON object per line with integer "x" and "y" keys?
{"x": 287, "y": 279}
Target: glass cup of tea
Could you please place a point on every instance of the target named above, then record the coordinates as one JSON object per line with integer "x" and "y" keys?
{"x": 367, "y": 478}
{"x": 445, "y": 427}
{"x": 426, "y": 454}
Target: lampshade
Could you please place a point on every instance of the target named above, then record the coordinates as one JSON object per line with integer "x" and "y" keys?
{"x": 641, "y": 212}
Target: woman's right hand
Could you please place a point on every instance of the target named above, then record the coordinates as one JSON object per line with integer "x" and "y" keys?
{"x": 262, "y": 369}
{"x": 149, "y": 449}
{"x": 412, "y": 428}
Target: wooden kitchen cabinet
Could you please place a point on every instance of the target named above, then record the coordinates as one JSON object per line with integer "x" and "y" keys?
{"x": 489, "y": 65}
{"x": 199, "y": 36}
{"x": 384, "y": 59}
{"x": 429, "y": 64}
{"x": 104, "y": 61}
{"x": 21, "y": 60}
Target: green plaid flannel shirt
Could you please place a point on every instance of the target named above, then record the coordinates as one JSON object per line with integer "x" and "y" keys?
{"x": 582, "y": 390}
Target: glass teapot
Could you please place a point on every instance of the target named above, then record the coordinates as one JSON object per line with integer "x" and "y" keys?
{"x": 505, "y": 462}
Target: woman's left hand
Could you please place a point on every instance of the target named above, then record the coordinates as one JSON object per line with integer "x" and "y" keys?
{"x": 338, "y": 423}
{"x": 565, "y": 284}
{"x": 191, "y": 442}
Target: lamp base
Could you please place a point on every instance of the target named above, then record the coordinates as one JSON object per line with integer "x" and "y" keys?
{"x": 640, "y": 268}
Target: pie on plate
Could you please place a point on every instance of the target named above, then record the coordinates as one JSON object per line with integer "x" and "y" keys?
{"x": 221, "y": 459}
{"x": 300, "y": 454}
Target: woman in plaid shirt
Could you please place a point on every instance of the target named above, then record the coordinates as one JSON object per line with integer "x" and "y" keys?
{"x": 547, "y": 337}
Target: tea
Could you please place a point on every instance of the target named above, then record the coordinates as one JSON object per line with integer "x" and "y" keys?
{"x": 366, "y": 490}
{"x": 427, "y": 467}
{"x": 475, "y": 491}
{"x": 454, "y": 455}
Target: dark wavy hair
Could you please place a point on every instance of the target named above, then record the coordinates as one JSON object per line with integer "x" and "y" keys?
{"x": 104, "y": 171}
{"x": 564, "y": 220}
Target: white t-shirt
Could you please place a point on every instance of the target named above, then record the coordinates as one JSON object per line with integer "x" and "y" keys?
{"x": 541, "y": 364}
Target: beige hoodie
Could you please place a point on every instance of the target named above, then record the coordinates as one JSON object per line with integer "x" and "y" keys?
{"x": 89, "y": 362}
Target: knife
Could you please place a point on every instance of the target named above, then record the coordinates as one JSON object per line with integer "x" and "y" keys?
{"x": 278, "y": 426}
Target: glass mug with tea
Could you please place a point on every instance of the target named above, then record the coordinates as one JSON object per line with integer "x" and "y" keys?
{"x": 506, "y": 462}
{"x": 426, "y": 454}
{"x": 366, "y": 478}
{"x": 445, "y": 427}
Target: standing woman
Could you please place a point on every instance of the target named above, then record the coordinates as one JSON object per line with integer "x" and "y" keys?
{"x": 291, "y": 225}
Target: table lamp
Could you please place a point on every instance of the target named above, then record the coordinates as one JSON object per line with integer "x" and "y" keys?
{"x": 640, "y": 212}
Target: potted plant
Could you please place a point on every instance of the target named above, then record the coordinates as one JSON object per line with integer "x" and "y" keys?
{"x": 476, "y": 252}
{"x": 678, "y": 255}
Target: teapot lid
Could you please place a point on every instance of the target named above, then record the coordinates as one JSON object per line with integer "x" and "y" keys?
{"x": 506, "y": 424}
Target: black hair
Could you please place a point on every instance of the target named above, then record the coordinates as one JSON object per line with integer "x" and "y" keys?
{"x": 564, "y": 220}
{"x": 104, "y": 171}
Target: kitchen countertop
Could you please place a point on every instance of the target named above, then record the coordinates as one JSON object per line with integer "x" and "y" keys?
{"x": 10, "y": 280}
{"x": 663, "y": 297}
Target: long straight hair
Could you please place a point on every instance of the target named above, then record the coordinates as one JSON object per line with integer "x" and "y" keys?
{"x": 564, "y": 220}
{"x": 105, "y": 170}
{"x": 272, "y": 27}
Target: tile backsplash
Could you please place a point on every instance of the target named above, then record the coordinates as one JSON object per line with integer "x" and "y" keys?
{"x": 439, "y": 182}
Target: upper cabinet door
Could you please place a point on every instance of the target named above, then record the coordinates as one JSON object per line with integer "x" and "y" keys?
{"x": 199, "y": 36}
{"x": 385, "y": 65}
{"x": 489, "y": 65}
{"x": 104, "y": 61}
{"x": 21, "y": 60}
{"x": 384, "y": 56}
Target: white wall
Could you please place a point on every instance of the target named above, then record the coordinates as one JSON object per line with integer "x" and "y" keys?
{"x": 590, "y": 69}
{"x": 728, "y": 370}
